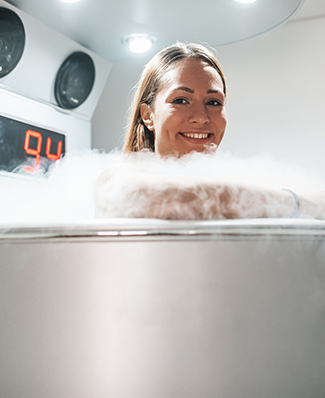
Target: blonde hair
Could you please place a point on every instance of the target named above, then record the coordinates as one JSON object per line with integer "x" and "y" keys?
{"x": 138, "y": 136}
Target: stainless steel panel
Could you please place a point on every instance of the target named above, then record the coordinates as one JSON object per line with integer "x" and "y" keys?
{"x": 166, "y": 309}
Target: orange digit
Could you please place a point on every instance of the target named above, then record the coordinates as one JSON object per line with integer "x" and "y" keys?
{"x": 35, "y": 152}
{"x": 48, "y": 150}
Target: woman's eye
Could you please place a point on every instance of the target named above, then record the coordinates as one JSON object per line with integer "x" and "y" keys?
{"x": 180, "y": 101}
{"x": 214, "y": 103}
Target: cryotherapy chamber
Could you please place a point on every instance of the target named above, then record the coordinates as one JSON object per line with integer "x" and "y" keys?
{"x": 128, "y": 308}
{"x": 149, "y": 308}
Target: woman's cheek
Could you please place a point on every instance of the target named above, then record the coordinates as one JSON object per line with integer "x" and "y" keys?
{"x": 224, "y": 115}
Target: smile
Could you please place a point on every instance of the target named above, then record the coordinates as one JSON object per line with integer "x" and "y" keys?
{"x": 196, "y": 135}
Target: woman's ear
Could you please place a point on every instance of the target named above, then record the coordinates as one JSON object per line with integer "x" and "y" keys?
{"x": 147, "y": 116}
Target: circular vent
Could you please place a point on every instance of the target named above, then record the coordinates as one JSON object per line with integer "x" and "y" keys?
{"x": 74, "y": 80}
{"x": 12, "y": 40}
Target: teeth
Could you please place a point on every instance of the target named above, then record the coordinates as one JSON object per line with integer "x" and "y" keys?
{"x": 195, "y": 135}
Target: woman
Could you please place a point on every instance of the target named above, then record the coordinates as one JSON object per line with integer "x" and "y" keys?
{"x": 179, "y": 107}
{"x": 156, "y": 79}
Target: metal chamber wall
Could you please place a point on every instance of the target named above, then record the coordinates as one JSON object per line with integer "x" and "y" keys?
{"x": 163, "y": 309}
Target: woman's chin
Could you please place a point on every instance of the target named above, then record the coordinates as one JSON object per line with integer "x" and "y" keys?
{"x": 181, "y": 150}
{"x": 204, "y": 148}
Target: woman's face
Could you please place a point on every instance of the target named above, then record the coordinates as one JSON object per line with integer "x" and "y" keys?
{"x": 188, "y": 112}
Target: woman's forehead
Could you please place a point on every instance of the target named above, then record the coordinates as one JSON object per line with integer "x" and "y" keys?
{"x": 191, "y": 71}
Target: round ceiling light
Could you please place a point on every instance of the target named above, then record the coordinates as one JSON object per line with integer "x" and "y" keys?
{"x": 138, "y": 43}
{"x": 246, "y": 1}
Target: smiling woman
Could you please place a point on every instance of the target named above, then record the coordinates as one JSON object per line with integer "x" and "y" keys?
{"x": 177, "y": 81}
{"x": 188, "y": 112}
{"x": 179, "y": 108}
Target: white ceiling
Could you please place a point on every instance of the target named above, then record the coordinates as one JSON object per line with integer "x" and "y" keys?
{"x": 100, "y": 24}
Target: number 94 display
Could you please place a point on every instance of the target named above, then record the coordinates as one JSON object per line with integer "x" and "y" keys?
{"x": 22, "y": 143}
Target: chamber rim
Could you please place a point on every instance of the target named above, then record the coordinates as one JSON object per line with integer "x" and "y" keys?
{"x": 123, "y": 228}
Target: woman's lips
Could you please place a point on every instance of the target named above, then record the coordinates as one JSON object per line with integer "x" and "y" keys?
{"x": 196, "y": 137}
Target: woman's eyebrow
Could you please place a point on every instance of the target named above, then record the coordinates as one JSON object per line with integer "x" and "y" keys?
{"x": 214, "y": 92}
{"x": 189, "y": 90}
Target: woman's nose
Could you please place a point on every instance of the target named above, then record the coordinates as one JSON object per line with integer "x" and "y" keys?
{"x": 198, "y": 114}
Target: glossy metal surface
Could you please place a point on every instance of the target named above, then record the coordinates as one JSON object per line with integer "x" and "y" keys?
{"x": 131, "y": 308}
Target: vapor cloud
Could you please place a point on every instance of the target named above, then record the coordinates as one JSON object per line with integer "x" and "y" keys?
{"x": 66, "y": 192}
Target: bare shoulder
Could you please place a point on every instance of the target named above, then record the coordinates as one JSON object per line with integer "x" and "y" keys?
{"x": 113, "y": 189}
{"x": 116, "y": 170}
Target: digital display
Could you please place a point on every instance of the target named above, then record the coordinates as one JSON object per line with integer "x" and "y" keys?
{"x": 32, "y": 146}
